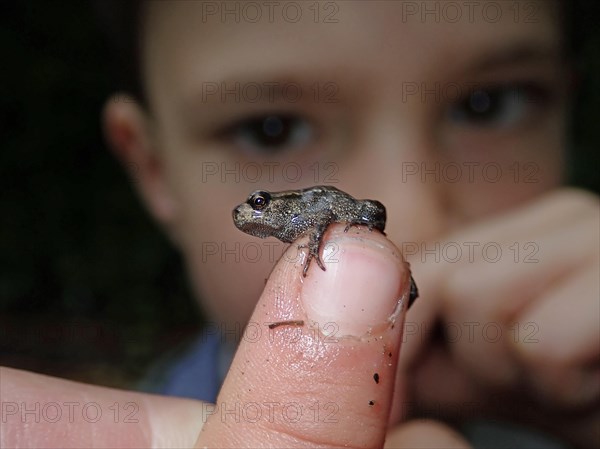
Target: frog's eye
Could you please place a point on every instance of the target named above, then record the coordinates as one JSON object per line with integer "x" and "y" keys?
{"x": 259, "y": 200}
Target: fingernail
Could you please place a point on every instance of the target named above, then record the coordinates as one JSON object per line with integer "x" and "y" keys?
{"x": 365, "y": 283}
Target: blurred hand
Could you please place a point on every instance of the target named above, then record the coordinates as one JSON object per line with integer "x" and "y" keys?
{"x": 517, "y": 337}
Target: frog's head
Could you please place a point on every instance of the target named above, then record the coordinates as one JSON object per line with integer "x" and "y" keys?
{"x": 259, "y": 215}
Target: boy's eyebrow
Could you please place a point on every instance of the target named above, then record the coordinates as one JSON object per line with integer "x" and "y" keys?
{"x": 517, "y": 54}
{"x": 265, "y": 87}
{"x": 219, "y": 94}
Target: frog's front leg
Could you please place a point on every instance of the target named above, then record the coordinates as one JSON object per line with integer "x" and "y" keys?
{"x": 315, "y": 239}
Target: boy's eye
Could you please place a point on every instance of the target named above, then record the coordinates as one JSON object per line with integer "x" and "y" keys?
{"x": 270, "y": 133}
{"x": 501, "y": 106}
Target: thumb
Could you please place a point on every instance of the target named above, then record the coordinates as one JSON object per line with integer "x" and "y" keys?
{"x": 317, "y": 361}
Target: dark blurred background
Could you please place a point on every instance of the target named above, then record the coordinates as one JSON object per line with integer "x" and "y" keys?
{"x": 89, "y": 287}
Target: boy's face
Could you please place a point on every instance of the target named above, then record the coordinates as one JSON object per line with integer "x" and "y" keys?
{"x": 444, "y": 114}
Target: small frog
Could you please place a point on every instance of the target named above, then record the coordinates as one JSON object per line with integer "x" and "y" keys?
{"x": 289, "y": 214}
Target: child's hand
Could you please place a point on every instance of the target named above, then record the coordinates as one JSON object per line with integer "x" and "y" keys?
{"x": 522, "y": 337}
{"x": 289, "y": 385}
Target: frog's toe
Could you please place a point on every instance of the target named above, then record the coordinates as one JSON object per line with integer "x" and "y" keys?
{"x": 309, "y": 259}
{"x": 320, "y": 263}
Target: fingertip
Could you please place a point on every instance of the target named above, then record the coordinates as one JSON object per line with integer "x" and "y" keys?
{"x": 367, "y": 282}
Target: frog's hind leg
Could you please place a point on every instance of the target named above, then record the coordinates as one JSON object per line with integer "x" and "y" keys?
{"x": 370, "y": 226}
{"x": 356, "y": 223}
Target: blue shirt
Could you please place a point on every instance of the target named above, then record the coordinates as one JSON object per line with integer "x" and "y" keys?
{"x": 197, "y": 373}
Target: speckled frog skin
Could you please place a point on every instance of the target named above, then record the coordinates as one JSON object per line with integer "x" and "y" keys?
{"x": 289, "y": 214}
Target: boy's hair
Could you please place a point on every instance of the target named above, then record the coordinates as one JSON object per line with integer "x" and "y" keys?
{"x": 121, "y": 21}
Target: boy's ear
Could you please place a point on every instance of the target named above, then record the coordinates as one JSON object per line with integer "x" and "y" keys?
{"x": 127, "y": 130}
